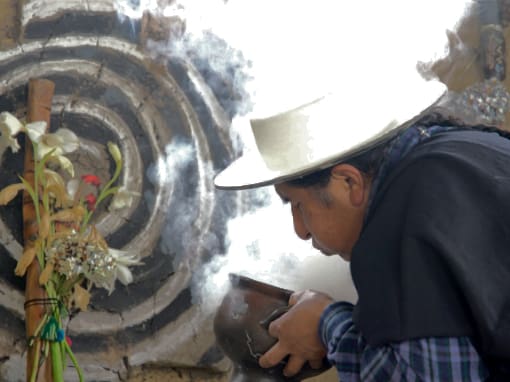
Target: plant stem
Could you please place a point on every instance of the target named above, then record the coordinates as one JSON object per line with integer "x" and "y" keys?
{"x": 56, "y": 360}
{"x": 63, "y": 352}
{"x": 36, "y": 186}
{"x": 74, "y": 361}
{"x": 35, "y": 365}
{"x": 105, "y": 191}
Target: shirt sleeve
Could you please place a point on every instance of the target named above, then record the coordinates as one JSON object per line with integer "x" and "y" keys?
{"x": 428, "y": 359}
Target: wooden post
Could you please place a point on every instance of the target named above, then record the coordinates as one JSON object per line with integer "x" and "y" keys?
{"x": 40, "y": 95}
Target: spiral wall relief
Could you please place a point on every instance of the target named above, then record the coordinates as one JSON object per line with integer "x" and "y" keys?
{"x": 172, "y": 129}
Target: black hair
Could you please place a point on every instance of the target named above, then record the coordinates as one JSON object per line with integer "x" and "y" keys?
{"x": 367, "y": 162}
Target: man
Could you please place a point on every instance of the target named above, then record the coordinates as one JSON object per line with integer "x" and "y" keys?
{"x": 416, "y": 198}
{"x": 422, "y": 213}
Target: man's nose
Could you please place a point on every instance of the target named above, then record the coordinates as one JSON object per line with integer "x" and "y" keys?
{"x": 300, "y": 227}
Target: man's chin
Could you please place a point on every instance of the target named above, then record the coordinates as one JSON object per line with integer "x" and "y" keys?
{"x": 343, "y": 255}
{"x": 326, "y": 252}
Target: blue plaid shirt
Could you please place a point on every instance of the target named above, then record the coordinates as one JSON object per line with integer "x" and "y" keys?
{"x": 429, "y": 359}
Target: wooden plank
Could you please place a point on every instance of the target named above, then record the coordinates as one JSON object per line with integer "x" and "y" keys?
{"x": 40, "y": 95}
{"x": 9, "y": 23}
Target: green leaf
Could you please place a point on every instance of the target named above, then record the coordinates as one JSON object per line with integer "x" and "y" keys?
{"x": 29, "y": 189}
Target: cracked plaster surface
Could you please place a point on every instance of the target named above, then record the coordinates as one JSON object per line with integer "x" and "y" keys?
{"x": 12, "y": 361}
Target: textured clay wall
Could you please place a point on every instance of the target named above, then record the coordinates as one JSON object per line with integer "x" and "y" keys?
{"x": 107, "y": 87}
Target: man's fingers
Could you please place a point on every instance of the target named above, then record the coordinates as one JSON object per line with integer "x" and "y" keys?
{"x": 273, "y": 356}
{"x": 315, "y": 363}
{"x": 294, "y": 297}
{"x": 274, "y": 328}
{"x": 294, "y": 365}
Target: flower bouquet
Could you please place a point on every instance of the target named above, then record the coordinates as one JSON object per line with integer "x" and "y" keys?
{"x": 71, "y": 253}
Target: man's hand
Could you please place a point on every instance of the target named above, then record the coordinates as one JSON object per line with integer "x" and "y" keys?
{"x": 298, "y": 333}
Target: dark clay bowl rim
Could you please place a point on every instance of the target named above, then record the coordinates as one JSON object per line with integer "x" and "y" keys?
{"x": 249, "y": 283}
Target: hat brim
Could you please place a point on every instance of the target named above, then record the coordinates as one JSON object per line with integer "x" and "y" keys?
{"x": 251, "y": 170}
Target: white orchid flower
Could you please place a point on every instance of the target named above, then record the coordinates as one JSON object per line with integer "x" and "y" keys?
{"x": 72, "y": 188}
{"x": 10, "y": 126}
{"x": 14, "y": 124}
{"x": 64, "y": 163}
{"x": 35, "y": 130}
{"x": 61, "y": 142}
{"x": 123, "y": 198}
{"x": 115, "y": 152}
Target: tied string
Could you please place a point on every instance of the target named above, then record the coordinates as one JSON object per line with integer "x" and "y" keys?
{"x": 41, "y": 301}
{"x": 49, "y": 329}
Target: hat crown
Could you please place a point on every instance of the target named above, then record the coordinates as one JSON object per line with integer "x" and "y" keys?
{"x": 376, "y": 82}
{"x": 291, "y": 136}
{"x": 311, "y": 137}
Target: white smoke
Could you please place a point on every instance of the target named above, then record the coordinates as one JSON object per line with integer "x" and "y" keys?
{"x": 134, "y": 9}
{"x": 297, "y": 47}
{"x": 262, "y": 245}
{"x": 168, "y": 168}
{"x": 294, "y": 50}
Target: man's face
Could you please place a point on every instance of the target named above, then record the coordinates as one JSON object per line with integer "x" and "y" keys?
{"x": 331, "y": 217}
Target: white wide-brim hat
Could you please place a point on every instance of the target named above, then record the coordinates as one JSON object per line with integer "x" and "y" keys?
{"x": 317, "y": 135}
{"x": 378, "y": 90}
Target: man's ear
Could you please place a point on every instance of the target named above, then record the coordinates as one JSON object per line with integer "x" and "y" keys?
{"x": 354, "y": 181}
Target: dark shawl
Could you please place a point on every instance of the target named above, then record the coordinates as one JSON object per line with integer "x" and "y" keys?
{"x": 433, "y": 258}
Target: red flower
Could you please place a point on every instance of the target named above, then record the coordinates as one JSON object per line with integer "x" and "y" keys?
{"x": 91, "y": 179}
{"x": 68, "y": 340}
{"x": 90, "y": 199}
